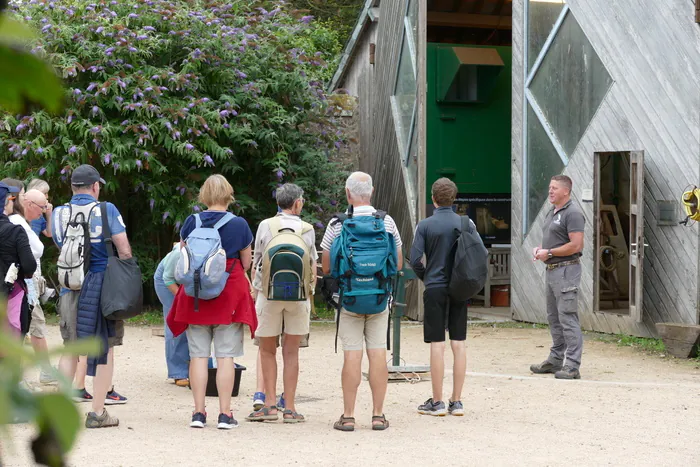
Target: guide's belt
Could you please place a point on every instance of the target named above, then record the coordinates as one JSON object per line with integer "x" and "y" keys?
{"x": 562, "y": 264}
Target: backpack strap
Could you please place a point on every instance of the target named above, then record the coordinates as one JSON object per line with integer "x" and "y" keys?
{"x": 339, "y": 218}
{"x": 106, "y": 231}
{"x": 223, "y": 221}
{"x": 197, "y": 221}
{"x": 379, "y": 214}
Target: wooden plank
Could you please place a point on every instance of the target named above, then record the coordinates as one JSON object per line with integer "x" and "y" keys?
{"x": 465, "y": 20}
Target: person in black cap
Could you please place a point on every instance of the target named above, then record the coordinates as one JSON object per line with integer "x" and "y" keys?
{"x": 80, "y": 307}
{"x": 15, "y": 252}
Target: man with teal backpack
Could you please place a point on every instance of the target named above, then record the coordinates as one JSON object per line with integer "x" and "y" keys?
{"x": 362, "y": 251}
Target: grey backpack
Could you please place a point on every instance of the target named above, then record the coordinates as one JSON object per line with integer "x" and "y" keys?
{"x": 470, "y": 263}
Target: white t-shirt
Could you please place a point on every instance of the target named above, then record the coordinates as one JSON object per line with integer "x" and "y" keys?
{"x": 34, "y": 240}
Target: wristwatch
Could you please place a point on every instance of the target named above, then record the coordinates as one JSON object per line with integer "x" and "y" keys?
{"x": 549, "y": 253}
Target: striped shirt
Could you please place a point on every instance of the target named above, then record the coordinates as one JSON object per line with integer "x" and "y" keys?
{"x": 333, "y": 230}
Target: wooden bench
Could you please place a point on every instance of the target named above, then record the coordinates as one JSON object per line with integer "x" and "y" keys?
{"x": 499, "y": 273}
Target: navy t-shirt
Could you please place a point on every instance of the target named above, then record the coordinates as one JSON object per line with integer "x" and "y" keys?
{"x": 235, "y": 234}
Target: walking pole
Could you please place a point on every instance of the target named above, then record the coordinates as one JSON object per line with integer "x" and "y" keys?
{"x": 397, "y": 371}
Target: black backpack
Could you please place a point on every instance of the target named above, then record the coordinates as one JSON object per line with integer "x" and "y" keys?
{"x": 470, "y": 263}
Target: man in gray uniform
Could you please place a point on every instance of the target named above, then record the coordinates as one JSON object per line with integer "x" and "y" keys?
{"x": 562, "y": 243}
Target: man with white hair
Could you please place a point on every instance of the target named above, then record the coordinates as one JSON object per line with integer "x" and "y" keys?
{"x": 354, "y": 328}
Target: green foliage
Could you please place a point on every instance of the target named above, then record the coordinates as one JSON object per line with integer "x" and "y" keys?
{"x": 162, "y": 94}
{"x": 31, "y": 80}
{"x": 54, "y": 414}
{"x": 340, "y": 14}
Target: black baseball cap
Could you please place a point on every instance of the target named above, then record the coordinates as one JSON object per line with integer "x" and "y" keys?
{"x": 85, "y": 175}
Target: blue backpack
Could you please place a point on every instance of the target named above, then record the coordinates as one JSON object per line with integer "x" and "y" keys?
{"x": 201, "y": 268}
{"x": 363, "y": 259}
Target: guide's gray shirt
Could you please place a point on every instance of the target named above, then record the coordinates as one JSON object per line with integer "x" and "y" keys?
{"x": 557, "y": 228}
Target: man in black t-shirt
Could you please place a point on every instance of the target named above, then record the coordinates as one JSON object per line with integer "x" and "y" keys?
{"x": 562, "y": 243}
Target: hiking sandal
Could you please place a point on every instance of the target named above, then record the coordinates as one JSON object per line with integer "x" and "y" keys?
{"x": 264, "y": 415}
{"x": 384, "y": 422}
{"x": 289, "y": 416}
{"x": 341, "y": 423}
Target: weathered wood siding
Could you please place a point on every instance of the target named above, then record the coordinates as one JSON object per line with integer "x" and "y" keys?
{"x": 381, "y": 156}
{"x": 651, "y": 49}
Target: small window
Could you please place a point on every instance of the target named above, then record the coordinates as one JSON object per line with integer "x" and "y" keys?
{"x": 668, "y": 212}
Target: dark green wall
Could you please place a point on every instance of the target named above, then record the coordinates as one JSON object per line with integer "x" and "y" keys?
{"x": 472, "y": 139}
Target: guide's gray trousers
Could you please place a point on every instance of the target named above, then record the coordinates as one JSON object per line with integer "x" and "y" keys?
{"x": 562, "y": 287}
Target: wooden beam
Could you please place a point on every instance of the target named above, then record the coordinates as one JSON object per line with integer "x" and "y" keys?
{"x": 697, "y": 11}
{"x": 461, "y": 20}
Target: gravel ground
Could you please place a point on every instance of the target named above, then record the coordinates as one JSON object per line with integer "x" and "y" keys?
{"x": 630, "y": 408}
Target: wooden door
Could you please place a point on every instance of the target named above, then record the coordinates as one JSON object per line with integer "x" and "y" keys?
{"x": 636, "y": 233}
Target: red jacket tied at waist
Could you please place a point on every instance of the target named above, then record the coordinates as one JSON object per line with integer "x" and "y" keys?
{"x": 234, "y": 305}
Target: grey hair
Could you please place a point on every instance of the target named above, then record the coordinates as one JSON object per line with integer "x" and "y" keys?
{"x": 38, "y": 184}
{"x": 288, "y": 194}
{"x": 359, "y": 184}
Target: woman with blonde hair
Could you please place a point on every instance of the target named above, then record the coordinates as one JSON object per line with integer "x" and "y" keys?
{"x": 219, "y": 320}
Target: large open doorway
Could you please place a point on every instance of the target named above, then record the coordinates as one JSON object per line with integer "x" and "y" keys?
{"x": 618, "y": 244}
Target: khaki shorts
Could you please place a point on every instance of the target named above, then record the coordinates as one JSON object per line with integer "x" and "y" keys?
{"x": 304, "y": 342}
{"x": 68, "y": 312}
{"x": 37, "y": 328}
{"x": 228, "y": 340}
{"x": 276, "y": 317}
{"x": 353, "y": 328}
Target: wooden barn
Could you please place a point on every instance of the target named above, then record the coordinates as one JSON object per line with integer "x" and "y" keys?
{"x": 606, "y": 92}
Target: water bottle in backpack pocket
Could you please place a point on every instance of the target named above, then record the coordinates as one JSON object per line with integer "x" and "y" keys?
{"x": 74, "y": 258}
{"x": 201, "y": 268}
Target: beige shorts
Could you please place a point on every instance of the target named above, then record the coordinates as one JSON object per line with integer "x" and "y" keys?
{"x": 353, "y": 328}
{"x": 37, "y": 328}
{"x": 228, "y": 340}
{"x": 68, "y": 322}
{"x": 276, "y": 317}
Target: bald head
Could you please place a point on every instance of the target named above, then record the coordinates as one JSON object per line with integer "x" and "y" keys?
{"x": 34, "y": 205}
{"x": 359, "y": 188}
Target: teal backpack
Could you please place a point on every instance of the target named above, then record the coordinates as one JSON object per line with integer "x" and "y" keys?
{"x": 363, "y": 259}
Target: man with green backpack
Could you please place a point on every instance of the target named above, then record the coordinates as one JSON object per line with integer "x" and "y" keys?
{"x": 284, "y": 277}
{"x": 362, "y": 251}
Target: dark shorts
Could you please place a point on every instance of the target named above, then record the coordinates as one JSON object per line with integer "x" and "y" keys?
{"x": 440, "y": 314}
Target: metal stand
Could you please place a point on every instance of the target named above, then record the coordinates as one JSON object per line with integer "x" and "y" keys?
{"x": 397, "y": 371}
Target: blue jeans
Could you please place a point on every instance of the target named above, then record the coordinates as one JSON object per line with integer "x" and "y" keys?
{"x": 177, "y": 354}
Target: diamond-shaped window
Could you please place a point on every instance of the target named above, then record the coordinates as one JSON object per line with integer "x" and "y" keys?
{"x": 542, "y": 15}
{"x": 570, "y": 84}
{"x": 543, "y": 163}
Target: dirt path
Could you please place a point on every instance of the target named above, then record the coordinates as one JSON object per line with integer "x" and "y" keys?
{"x": 629, "y": 409}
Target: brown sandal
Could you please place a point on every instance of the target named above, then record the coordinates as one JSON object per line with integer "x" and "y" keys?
{"x": 341, "y": 423}
{"x": 384, "y": 422}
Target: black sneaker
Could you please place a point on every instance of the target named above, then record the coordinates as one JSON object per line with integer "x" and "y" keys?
{"x": 436, "y": 409}
{"x": 545, "y": 367}
{"x": 567, "y": 373}
{"x": 199, "y": 420}
{"x": 456, "y": 408}
{"x": 227, "y": 422}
